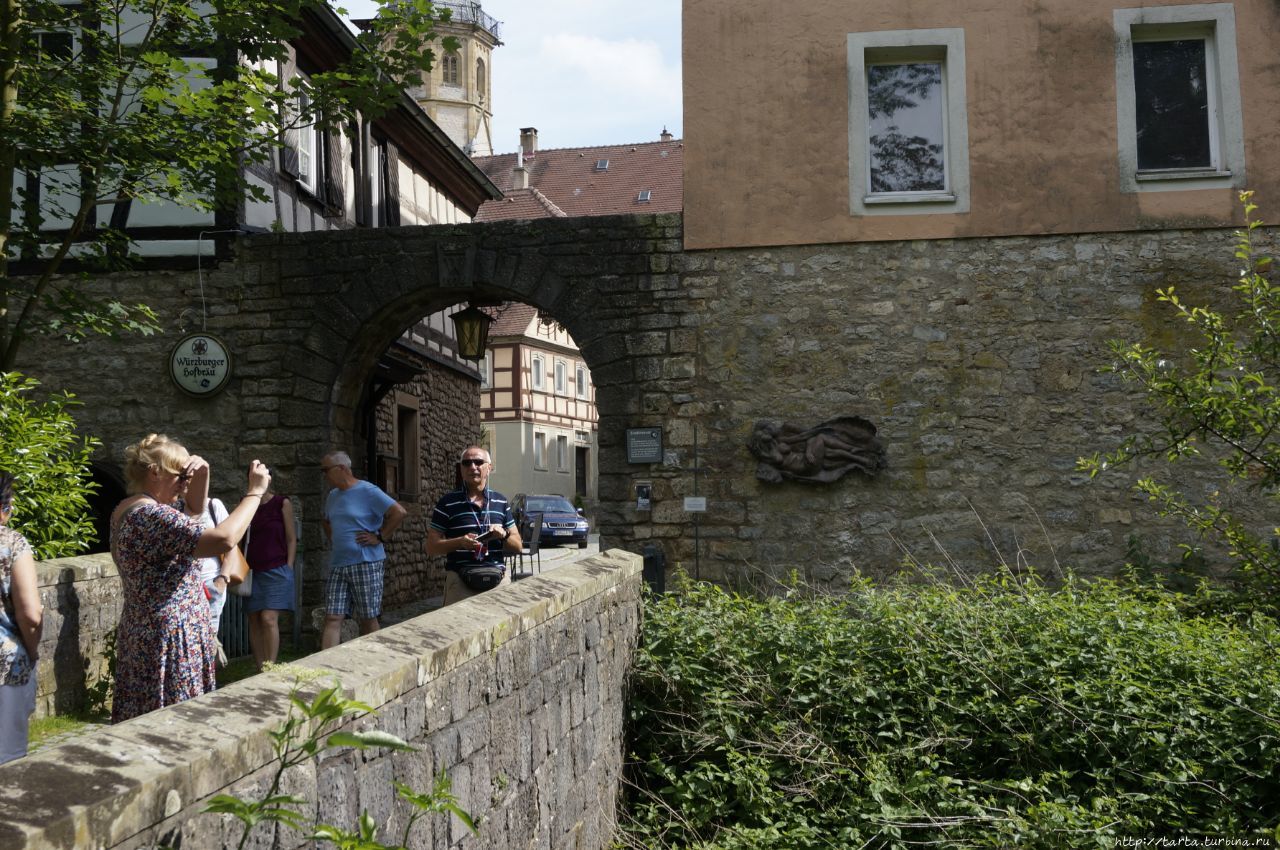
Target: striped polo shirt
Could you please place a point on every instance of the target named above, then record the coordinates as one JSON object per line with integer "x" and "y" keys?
{"x": 456, "y": 515}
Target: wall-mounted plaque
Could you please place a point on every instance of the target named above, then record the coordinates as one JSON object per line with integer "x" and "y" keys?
{"x": 644, "y": 445}
{"x": 200, "y": 365}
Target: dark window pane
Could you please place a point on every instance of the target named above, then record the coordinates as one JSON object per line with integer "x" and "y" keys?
{"x": 1172, "y": 94}
{"x": 55, "y": 45}
{"x": 905, "y": 127}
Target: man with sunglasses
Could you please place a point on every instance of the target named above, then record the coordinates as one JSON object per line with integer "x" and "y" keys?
{"x": 358, "y": 518}
{"x": 461, "y": 517}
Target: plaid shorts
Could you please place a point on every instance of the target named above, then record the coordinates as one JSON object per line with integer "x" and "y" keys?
{"x": 355, "y": 589}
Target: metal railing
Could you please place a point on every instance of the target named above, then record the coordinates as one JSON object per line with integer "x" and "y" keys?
{"x": 471, "y": 13}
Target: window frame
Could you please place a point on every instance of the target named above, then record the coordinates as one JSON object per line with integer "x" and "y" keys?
{"x": 539, "y": 450}
{"x": 562, "y": 453}
{"x": 944, "y": 45}
{"x": 1215, "y": 24}
{"x": 537, "y": 373}
{"x": 580, "y": 381}
{"x": 561, "y": 377}
{"x": 449, "y": 69}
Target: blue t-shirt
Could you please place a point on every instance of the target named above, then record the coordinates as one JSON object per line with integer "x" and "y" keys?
{"x": 456, "y": 515}
{"x": 360, "y": 507}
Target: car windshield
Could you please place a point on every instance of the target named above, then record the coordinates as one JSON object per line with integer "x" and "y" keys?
{"x": 550, "y": 505}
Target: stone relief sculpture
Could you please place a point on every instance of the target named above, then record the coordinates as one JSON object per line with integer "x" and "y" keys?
{"x": 823, "y": 453}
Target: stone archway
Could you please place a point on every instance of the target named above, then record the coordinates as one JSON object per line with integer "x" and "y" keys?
{"x": 351, "y": 294}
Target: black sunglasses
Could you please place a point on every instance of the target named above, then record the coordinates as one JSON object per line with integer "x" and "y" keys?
{"x": 473, "y": 461}
{"x": 184, "y": 476}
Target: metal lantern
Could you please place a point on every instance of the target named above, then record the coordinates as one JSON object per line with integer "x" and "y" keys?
{"x": 471, "y": 326}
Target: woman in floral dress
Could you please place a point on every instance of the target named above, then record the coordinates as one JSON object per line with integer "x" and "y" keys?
{"x": 165, "y": 648}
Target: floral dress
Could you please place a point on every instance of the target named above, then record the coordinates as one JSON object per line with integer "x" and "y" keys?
{"x": 15, "y": 666}
{"x": 165, "y": 649}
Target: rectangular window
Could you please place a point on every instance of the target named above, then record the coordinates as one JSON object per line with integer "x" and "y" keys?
{"x": 308, "y": 152}
{"x": 562, "y": 454}
{"x": 1178, "y": 98}
{"x": 486, "y": 371}
{"x": 538, "y": 372}
{"x": 908, "y": 124}
{"x": 539, "y": 450}
{"x": 407, "y": 440}
{"x": 580, "y": 381}
{"x": 562, "y": 378}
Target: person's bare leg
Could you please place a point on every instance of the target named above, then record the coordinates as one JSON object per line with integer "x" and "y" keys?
{"x": 270, "y": 636}
{"x": 369, "y": 626}
{"x": 332, "y": 630}
{"x": 256, "y": 639}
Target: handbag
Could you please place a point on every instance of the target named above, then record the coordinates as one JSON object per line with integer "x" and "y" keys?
{"x": 234, "y": 563}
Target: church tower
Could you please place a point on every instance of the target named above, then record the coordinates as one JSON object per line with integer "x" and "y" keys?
{"x": 456, "y": 92}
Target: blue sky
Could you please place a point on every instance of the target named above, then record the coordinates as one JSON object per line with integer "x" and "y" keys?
{"x": 584, "y": 72}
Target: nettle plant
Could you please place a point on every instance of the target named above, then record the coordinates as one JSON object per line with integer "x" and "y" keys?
{"x": 1219, "y": 397}
{"x": 300, "y": 738}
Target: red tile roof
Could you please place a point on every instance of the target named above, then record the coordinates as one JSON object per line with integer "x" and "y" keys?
{"x": 511, "y": 319}
{"x": 570, "y": 183}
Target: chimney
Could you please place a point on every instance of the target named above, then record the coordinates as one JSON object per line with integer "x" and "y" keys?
{"x": 528, "y": 141}
{"x": 520, "y": 177}
{"x": 666, "y": 137}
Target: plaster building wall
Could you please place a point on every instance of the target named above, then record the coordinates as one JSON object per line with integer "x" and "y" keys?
{"x": 517, "y": 695}
{"x": 768, "y": 89}
{"x": 977, "y": 359}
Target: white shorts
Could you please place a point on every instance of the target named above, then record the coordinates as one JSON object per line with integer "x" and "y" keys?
{"x": 17, "y": 702}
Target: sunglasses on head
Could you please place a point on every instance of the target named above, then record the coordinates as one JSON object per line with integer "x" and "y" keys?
{"x": 473, "y": 461}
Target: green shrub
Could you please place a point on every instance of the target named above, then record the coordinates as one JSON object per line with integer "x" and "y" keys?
{"x": 999, "y": 715}
{"x": 50, "y": 465}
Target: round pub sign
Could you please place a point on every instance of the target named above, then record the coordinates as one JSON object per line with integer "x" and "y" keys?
{"x": 200, "y": 364}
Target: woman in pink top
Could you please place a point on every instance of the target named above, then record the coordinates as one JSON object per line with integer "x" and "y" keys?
{"x": 272, "y": 547}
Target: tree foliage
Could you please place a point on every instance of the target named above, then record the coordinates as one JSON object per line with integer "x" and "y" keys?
{"x": 1219, "y": 396}
{"x": 119, "y": 101}
{"x": 50, "y": 465}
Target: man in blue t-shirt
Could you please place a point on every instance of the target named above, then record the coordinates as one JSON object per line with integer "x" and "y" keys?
{"x": 462, "y": 515}
{"x": 358, "y": 517}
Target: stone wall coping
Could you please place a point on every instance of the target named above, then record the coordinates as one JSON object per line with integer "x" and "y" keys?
{"x": 75, "y": 568}
{"x": 101, "y": 789}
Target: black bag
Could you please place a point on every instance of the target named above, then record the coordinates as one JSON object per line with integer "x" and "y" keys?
{"x": 478, "y": 577}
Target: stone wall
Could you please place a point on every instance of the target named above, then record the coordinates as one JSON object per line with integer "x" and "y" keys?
{"x": 977, "y": 359}
{"x": 81, "y": 598}
{"x": 449, "y": 419}
{"x": 517, "y": 695}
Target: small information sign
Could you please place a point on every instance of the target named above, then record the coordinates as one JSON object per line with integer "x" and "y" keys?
{"x": 200, "y": 364}
{"x": 695, "y": 504}
{"x": 644, "y": 445}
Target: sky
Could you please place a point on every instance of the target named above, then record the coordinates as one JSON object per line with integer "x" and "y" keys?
{"x": 584, "y": 72}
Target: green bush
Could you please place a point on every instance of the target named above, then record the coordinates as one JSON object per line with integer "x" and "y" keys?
{"x": 999, "y": 715}
{"x": 50, "y": 465}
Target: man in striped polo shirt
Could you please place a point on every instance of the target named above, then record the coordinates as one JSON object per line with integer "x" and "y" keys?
{"x": 461, "y": 516}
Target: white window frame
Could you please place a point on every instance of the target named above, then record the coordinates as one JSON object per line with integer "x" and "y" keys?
{"x": 580, "y": 382}
{"x": 538, "y": 372}
{"x": 562, "y": 453}
{"x": 1215, "y": 24}
{"x": 486, "y": 371}
{"x": 308, "y": 149}
{"x": 562, "y": 377}
{"x": 891, "y": 46}
{"x": 539, "y": 450}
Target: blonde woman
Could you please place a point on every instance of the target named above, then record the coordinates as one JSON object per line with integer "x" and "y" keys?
{"x": 21, "y": 622}
{"x": 165, "y": 648}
